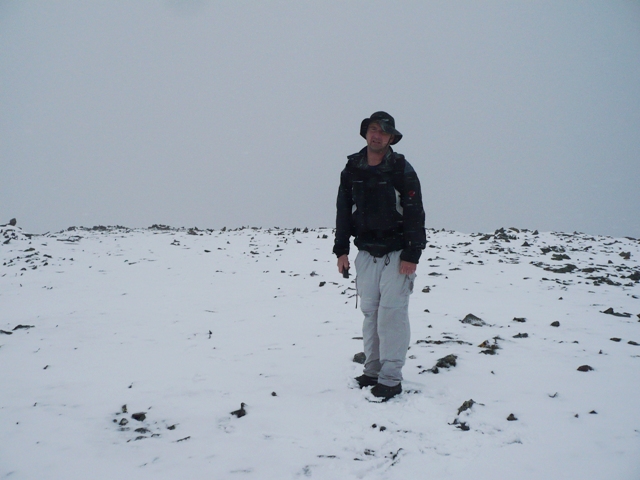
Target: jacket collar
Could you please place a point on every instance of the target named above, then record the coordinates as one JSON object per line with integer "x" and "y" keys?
{"x": 359, "y": 160}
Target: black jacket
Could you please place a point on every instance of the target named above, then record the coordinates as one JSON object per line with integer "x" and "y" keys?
{"x": 381, "y": 207}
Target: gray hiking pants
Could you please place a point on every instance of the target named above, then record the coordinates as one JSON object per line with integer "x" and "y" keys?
{"x": 384, "y": 294}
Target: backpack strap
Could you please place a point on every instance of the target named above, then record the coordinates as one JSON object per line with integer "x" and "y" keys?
{"x": 397, "y": 175}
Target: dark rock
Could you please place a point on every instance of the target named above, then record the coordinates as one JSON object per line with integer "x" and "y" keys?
{"x": 360, "y": 358}
{"x": 471, "y": 319}
{"x": 466, "y": 405}
{"x": 597, "y": 281}
{"x": 615, "y": 339}
{"x": 23, "y": 327}
{"x": 142, "y": 430}
{"x": 519, "y": 319}
{"x": 610, "y": 311}
{"x": 322, "y": 284}
{"x": 12, "y": 222}
{"x": 441, "y": 342}
{"x": 625, "y": 255}
{"x": 463, "y": 426}
{"x": 447, "y": 362}
{"x": 274, "y": 394}
{"x": 140, "y": 416}
{"x": 123, "y": 422}
{"x": 171, "y": 427}
{"x": 488, "y": 352}
{"x": 124, "y": 409}
{"x": 426, "y": 289}
{"x": 4, "y": 332}
{"x": 512, "y": 418}
{"x": 631, "y": 342}
{"x": 444, "y": 362}
{"x": 585, "y": 368}
{"x": 521, "y": 335}
{"x": 560, "y": 256}
{"x": 593, "y": 412}
{"x": 568, "y": 268}
{"x": 159, "y": 227}
{"x": 555, "y": 324}
{"x": 490, "y": 347}
{"x": 241, "y": 412}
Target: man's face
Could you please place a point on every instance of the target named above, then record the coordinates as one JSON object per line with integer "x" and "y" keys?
{"x": 377, "y": 139}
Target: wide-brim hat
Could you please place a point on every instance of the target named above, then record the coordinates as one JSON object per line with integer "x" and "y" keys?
{"x": 386, "y": 122}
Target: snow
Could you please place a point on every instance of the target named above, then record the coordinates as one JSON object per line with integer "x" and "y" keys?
{"x": 186, "y": 325}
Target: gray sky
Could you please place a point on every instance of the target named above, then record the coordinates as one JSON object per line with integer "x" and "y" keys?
{"x": 230, "y": 113}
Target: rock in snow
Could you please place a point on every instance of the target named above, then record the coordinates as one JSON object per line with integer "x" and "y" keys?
{"x": 241, "y": 412}
{"x": 471, "y": 319}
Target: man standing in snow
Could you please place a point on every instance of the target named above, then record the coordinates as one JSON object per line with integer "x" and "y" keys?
{"x": 380, "y": 204}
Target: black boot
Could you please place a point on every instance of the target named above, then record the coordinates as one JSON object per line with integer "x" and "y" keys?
{"x": 366, "y": 381}
{"x": 385, "y": 392}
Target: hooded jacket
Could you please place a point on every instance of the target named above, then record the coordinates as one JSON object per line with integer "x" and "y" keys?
{"x": 381, "y": 207}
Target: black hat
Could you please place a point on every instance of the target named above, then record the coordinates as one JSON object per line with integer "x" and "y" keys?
{"x": 386, "y": 122}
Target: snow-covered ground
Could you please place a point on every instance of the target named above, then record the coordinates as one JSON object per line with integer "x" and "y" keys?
{"x": 186, "y": 325}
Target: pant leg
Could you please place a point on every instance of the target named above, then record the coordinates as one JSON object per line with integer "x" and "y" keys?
{"x": 394, "y": 330}
{"x": 368, "y": 289}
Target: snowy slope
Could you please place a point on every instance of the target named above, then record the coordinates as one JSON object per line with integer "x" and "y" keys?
{"x": 187, "y": 325}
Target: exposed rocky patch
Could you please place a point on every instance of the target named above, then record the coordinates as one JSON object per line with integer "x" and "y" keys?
{"x": 138, "y": 425}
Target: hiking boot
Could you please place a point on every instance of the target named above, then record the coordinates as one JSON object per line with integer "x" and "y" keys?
{"x": 385, "y": 392}
{"x": 366, "y": 381}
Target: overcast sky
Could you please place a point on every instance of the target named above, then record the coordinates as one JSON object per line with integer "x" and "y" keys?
{"x": 231, "y": 113}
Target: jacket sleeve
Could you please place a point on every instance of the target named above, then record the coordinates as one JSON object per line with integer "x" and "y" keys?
{"x": 343, "y": 217}
{"x": 413, "y": 217}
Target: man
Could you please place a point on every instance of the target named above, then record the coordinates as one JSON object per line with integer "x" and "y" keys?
{"x": 380, "y": 204}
